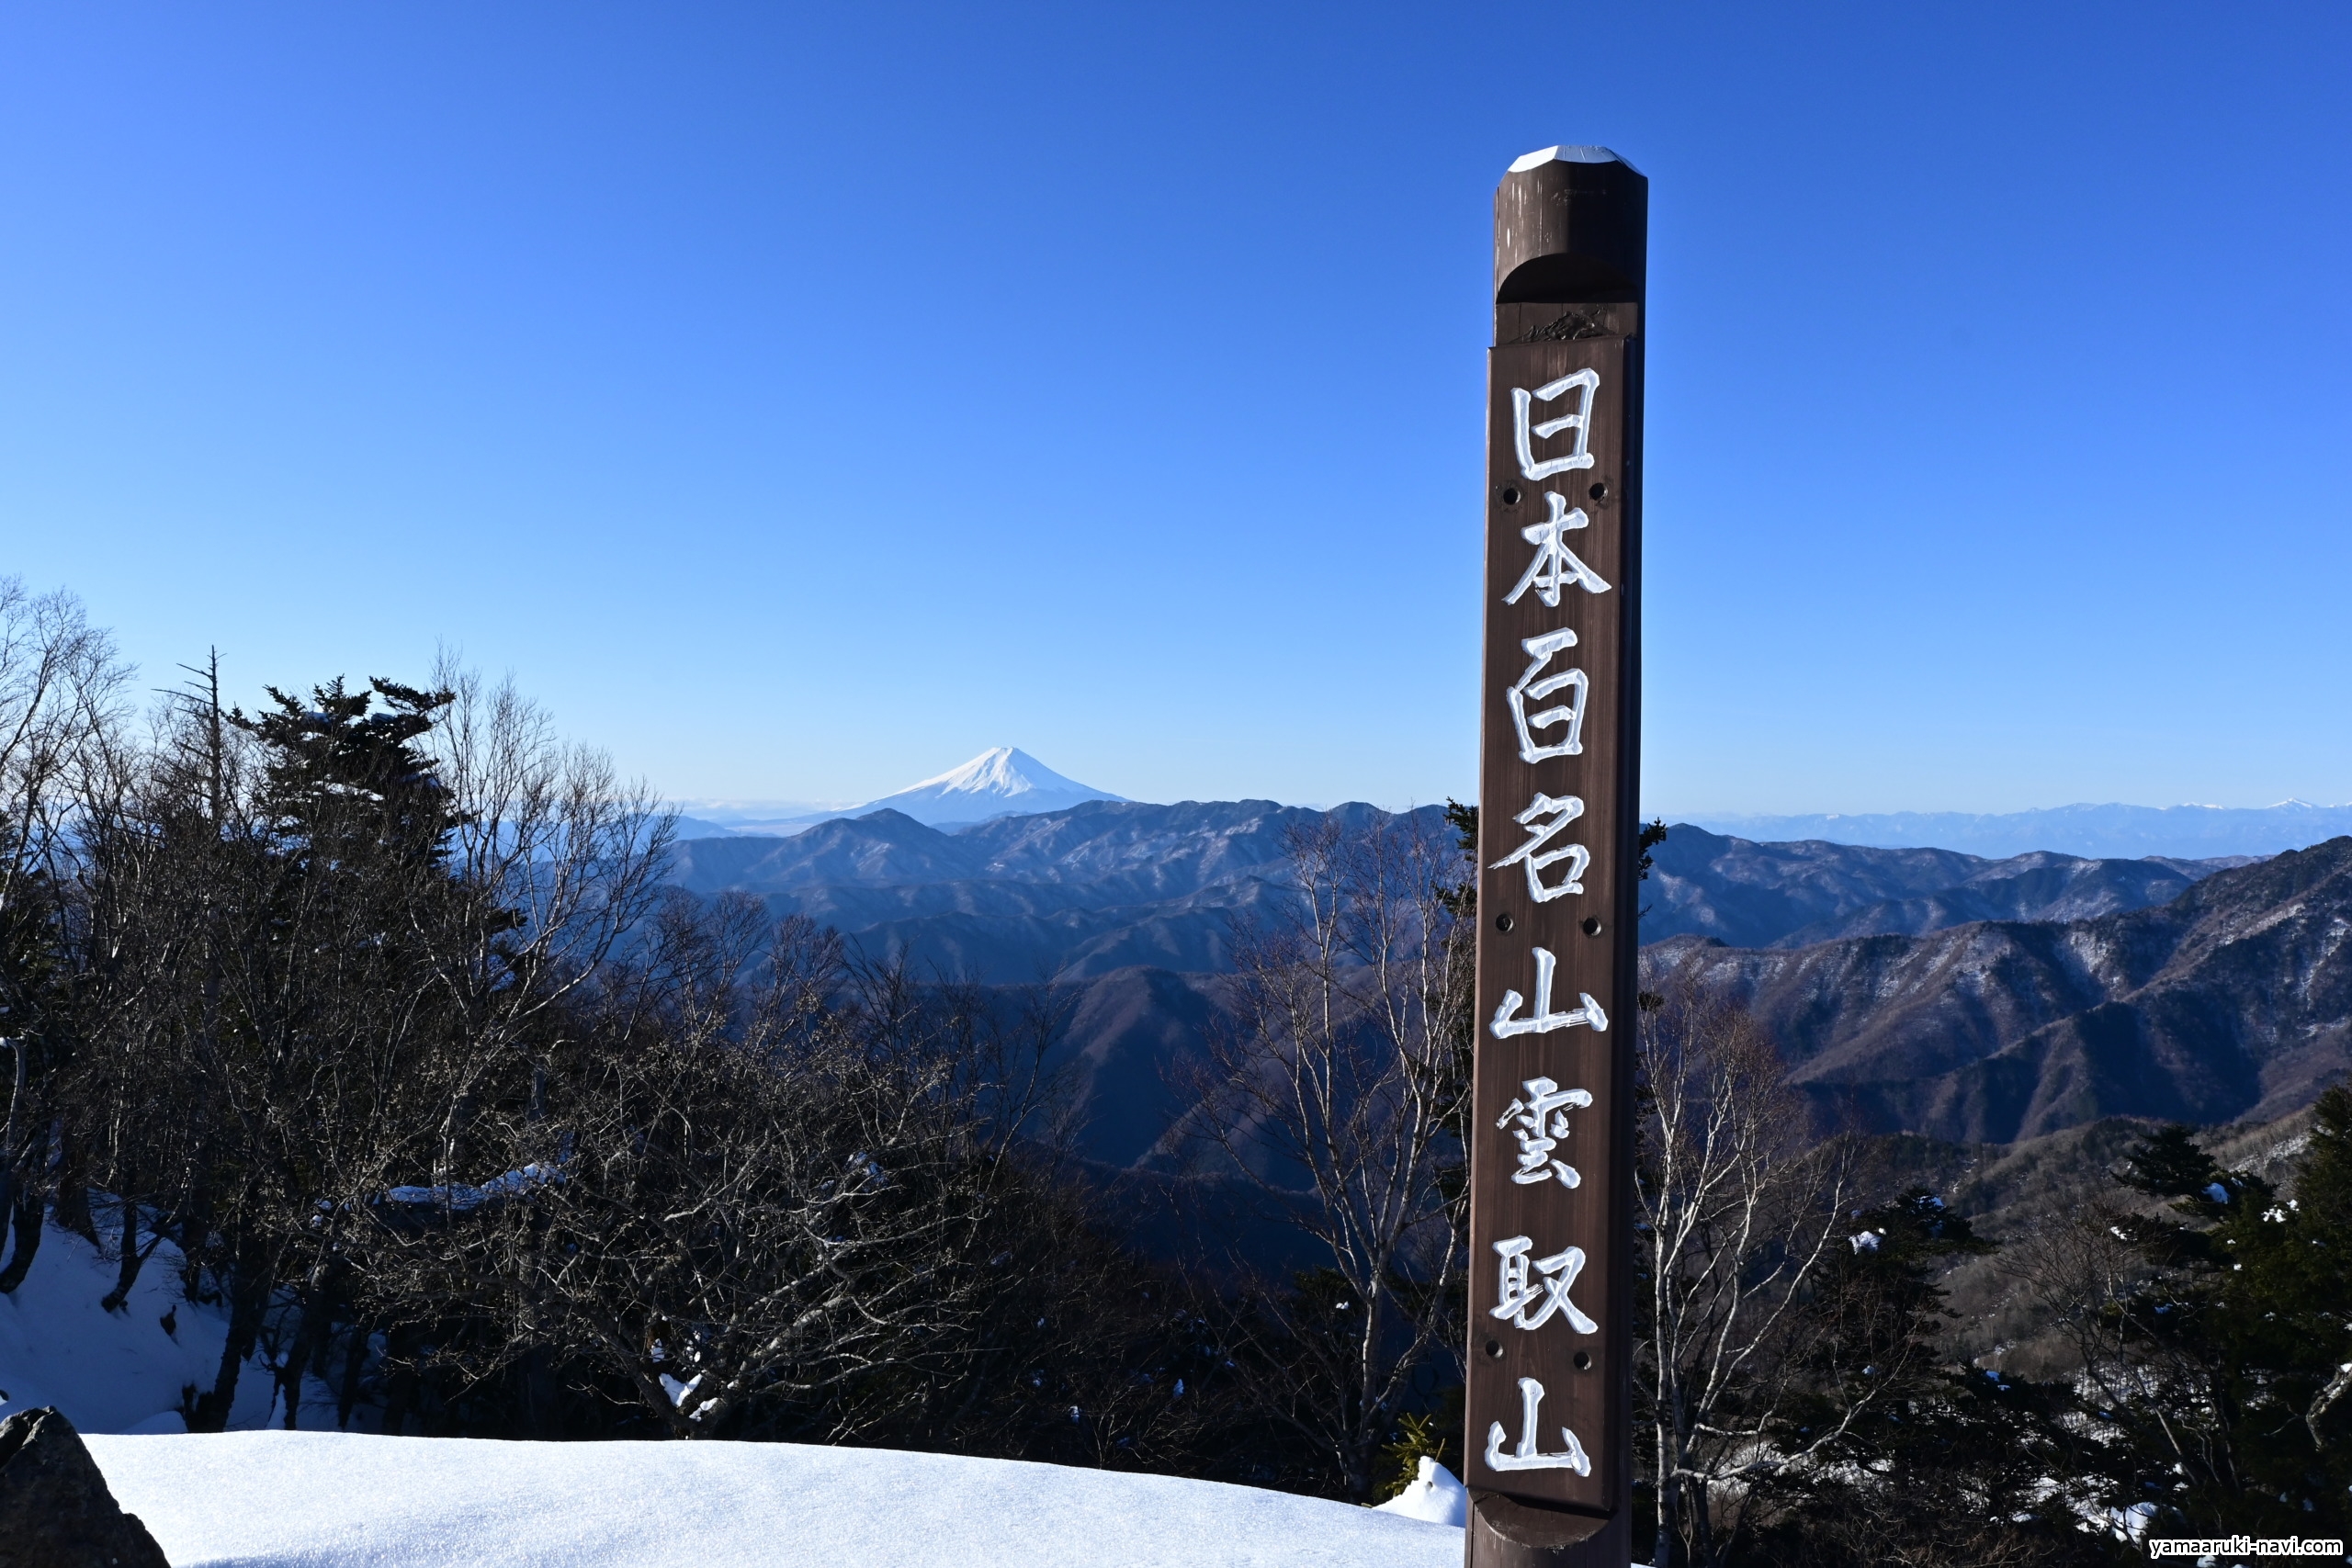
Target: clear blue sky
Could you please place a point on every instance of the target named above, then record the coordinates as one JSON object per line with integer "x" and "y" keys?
{"x": 800, "y": 399}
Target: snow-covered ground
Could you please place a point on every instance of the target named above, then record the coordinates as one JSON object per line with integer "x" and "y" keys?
{"x": 112, "y": 1372}
{"x": 325, "y": 1499}
{"x": 332, "y": 1500}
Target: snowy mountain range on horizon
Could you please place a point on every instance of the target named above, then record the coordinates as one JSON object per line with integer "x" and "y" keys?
{"x": 2110, "y": 830}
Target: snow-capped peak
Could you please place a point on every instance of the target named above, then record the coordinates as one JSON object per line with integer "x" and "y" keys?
{"x": 1002, "y": 782}
{"x": 994, "y": 783}
{"x": 1002, "y": 770}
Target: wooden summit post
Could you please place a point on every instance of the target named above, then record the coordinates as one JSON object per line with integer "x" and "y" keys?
{"x": 1549, "y": 1457}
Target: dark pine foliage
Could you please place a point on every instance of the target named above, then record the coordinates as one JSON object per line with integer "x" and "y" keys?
{"x": 1914, "y": 1459}
{"x": 2235, "y": 1353}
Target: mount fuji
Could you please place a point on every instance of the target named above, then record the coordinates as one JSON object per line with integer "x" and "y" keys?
{"x": 1003, "y": 782}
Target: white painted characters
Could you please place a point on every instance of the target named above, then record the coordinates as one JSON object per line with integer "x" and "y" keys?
{"x": 1547, "y": 709}
{"x": 1562, "y": 812}
{"x": 1527, "y": 689}
{"x": 1541, "y": 1121}
{"x": 1554, "y": 563}
{"x": 1507, "y": 1022}
{"x": 1522, "y": 404}
{"x": 1529, "y": 1302}
{"x": 1525, "y": 1456}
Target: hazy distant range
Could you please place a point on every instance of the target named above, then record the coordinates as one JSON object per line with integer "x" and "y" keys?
{"x": 2192, "y": 832}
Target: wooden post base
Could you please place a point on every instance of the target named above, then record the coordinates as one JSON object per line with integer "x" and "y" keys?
{"x": 1507, "y": 1533}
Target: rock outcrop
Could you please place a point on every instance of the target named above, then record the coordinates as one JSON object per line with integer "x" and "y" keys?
{"x": 55, "y": 1509}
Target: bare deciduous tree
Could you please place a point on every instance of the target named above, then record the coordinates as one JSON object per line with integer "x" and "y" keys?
{"x": 2076, "y": 1269}
{"x": 320, "y": 944}
{"x": 759, "y": 1187}
{"x": 1740, "y": 1206}
{"x": 560, "y": 857}
{"x": 1340, "y": 1094}
{"x": 541, "y": 861}
{"x": 61, "y": 709}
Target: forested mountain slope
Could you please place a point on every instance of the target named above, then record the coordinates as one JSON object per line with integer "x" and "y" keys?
{"x": 2232, "y": 1001}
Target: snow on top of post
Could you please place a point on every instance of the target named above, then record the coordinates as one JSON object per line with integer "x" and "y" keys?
{"x": 1566, "y": 154}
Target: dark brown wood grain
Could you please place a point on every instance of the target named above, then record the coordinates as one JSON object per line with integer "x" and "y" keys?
{"x": 1586, "y": 1377}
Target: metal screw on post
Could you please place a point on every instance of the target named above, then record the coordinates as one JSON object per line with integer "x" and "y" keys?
{"x": 1548, "y": 1458}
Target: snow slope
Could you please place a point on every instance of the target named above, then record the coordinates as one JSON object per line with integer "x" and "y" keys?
{"x": 112, "y": 1373}
{"x": 323, "y": 1499}
{"x": 332, "y": 1500}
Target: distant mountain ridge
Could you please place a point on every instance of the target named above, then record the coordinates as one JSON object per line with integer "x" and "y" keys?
{"x": 1792, "y": 895}
{"x": 2232, "y": 1001}
{"x": 1075, "y": 893}
{"x": 2110, "y": 830}
{"x": 1129, "y": 910}
{"x": 1068, "y": 895}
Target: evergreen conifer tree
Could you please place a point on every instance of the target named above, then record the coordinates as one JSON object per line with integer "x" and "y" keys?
{"x": 2231, "y": 1418}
